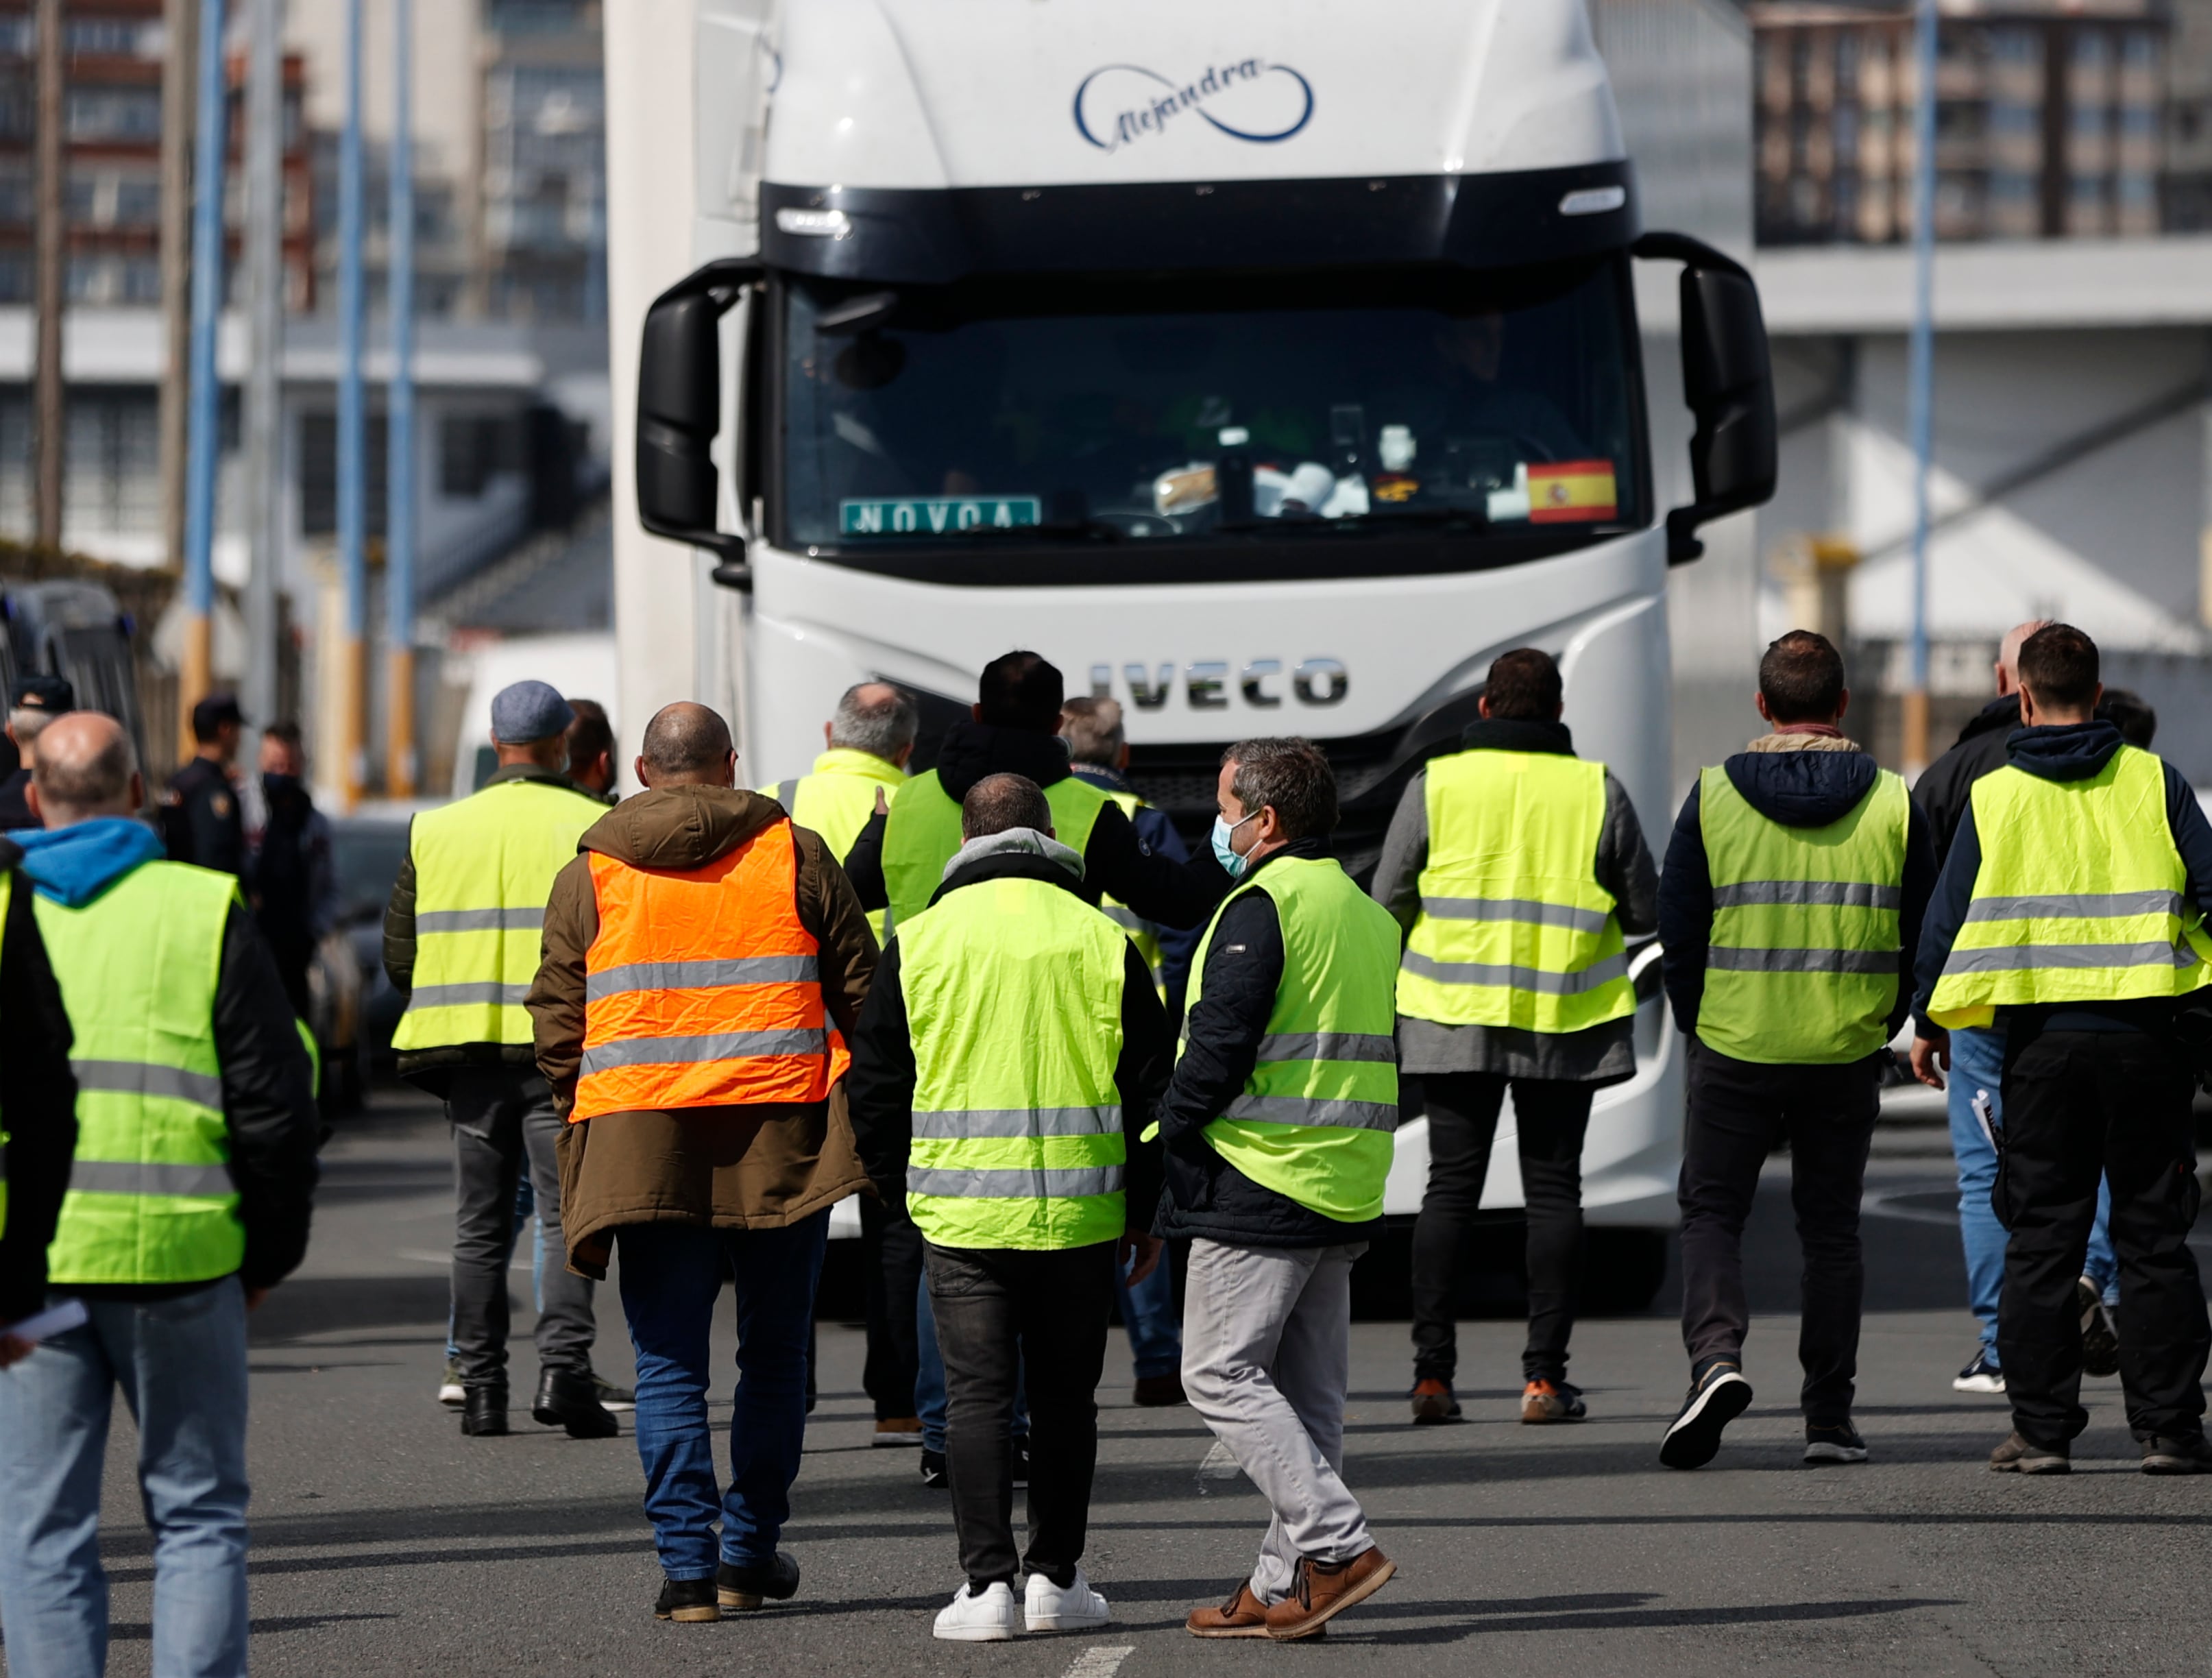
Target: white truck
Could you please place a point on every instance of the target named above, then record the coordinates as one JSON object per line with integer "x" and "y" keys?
{"x": 1269, "y": 367}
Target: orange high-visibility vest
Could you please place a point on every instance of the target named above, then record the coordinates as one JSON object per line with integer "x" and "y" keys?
{"x": 703, "y": 988}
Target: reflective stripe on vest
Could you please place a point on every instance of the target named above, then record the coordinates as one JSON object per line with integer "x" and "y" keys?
{"x": 836, "y": 800}
{"x": 1014, "y": 1000}
{"x": 1806, "y": 954}
{"x": 483, "y": 868}
{"x": 703, "y": 988}
{"x": 2081, "y": 896}
{"x": 1315, "y": 1120}
{"x": 1514, "y": 929}
{"x": 1142, "y": 932}
{"x": 150, "y": 1200}
{"x": 924, "y": 831}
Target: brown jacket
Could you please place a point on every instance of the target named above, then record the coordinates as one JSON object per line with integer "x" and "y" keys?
{"x": 725, "y": 1167}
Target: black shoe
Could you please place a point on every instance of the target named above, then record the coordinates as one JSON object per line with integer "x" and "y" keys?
{"x": 484, "y": 1413}
{"x": 566, "y": 1399}
{"x": 1021, "y": 1459}
{"x": 1717, "y": 1397}
{"x": 932, "y": 1469}
{"x": 777, "y": 1581}
{"x": 2100, "y": 1341}
{"x": 1834, "y": 1442}
{"x": 687, "y": 1600}
{"x": 2165, "y": 1455}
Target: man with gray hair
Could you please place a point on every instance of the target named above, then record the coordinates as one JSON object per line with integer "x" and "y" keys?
{"x": 189, "y": 1199}
{"x": 34, "y": 702}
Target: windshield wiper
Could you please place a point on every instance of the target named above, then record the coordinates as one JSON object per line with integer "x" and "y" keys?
{"x": 1054, "y": 530}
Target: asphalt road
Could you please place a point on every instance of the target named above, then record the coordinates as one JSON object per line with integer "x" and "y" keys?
{"x": 385, "y": 1542}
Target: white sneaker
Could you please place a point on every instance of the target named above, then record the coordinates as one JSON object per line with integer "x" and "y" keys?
{"x": 990, "y": 1617}
{"x": 1077, "y": 1609}
{"x": 451, "y": 1393}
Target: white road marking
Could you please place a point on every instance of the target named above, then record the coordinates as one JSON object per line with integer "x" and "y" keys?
{"x": 1101, "y": 1660}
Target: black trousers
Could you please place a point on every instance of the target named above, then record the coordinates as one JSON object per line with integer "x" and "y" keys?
{"x": 997, "y": 1310}
{"x": 890, "y": 1256}
{"x": 2078, "y": 1106}
{"x": 1550, "y": 1117}
{"x": 1740, "y": 1111}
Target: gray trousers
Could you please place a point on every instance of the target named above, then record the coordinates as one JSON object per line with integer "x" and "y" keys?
{"x": 1266, "y": 1360}
{"x": 502, "y": 1118}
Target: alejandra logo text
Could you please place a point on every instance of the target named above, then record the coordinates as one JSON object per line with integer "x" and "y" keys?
{"x": 1251, "y": 99}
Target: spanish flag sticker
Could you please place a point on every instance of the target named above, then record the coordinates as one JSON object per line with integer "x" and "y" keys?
{"x": 1565, "y": 492}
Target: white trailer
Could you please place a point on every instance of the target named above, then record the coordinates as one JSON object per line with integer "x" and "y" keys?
{"x": 1269, "y": 367}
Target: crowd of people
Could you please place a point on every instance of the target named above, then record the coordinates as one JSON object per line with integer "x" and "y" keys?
{"x": 1001, "y": 1002}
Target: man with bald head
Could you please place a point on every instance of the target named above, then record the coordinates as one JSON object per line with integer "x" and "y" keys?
{"x": 188, "y": 1200}
{"x": 704, "y": 960}
{"x": 1974, "y": 1094}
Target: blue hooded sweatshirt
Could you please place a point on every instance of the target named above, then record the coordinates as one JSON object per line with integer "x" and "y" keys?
{"x": 73, "y": 865}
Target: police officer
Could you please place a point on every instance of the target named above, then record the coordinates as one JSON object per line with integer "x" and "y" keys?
{"x": 1793, "y": 885}
{"x": 1010, "y": 1048}
{"x": 34, "y": 702}
{"x": 188, "y": 1200}
{"x": 1514, "y": 867}
{"x": 200, "y": 817}
{"x": 1278, "y": 1124}
{"x": 461, "y": 941}
{"x": 2071, "y": 913}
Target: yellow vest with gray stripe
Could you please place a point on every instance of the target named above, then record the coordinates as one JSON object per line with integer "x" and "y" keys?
{"x": 151, "y": 1198}
{"x": 2081, "y": 897}
{"x": 1514, "y": 929}
{"x": 923, "y": 832}
{"x": 837, "y": 799}
{"x": 483, "y": 868}
{"x": 1013, "y": 1002}
{"x": 1806, "y": 955}
{"x": 1317, "y": 1116}
{"x": 1142, "y": 932}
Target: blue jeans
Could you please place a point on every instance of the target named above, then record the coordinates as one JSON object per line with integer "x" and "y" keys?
{"x": 1977, "y": 1065}
{"x": 1148, "y": 1311}
{"x": 181, "y": 1364}
{"x": 929, "y": 1379}
{"x": 671, "y": 1275}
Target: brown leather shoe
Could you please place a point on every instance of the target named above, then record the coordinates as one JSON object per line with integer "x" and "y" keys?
{"x": 1325, "y": 1589}
{"x": 1241, "y": 1616}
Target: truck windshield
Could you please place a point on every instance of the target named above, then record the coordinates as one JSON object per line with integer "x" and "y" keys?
{"x": 1193, "y": 410}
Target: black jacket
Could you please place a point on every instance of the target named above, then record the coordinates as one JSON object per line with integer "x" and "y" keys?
{"x": 38, "y": 1101}
{"x": 1205, "y": 1194}
{"x": 2071, "y": 751}
{"x": 200, "y": 818}
{"x": 14, "y": 802}
{"x": 1944, "y": 786}
{"x": 1115, "y": 861}
{"x": 1803, "y": 788}
{"x": 879, "y": 1087}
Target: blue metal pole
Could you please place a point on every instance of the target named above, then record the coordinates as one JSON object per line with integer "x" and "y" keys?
{"x": 353, "y": 418}
{"x": 1922, "y": 367}
{"x": 399, "y": 472}
{"x": 203, "y": 416}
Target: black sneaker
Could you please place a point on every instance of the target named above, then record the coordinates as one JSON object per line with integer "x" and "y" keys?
{"x": 687, "y": 1601}
{"x": 743, "y": 1587}
{"x": 932, "y": 1469}
{"x": 2165, "y": 1455}
{"x": 1021, "y": 1459}
{"x": 2100, "y": 1341}
{"x": 1981, "y": 1375}
{"x": 1834, "y": 1442}
{"x": 1717, "y": 1396}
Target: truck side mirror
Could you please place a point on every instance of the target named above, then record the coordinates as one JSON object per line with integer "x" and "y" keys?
{"x": 679, "y": 411}
{"x": 1729, "y": 382}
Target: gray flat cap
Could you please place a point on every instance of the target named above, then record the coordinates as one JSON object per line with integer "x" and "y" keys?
{"x": 528, "y": 711}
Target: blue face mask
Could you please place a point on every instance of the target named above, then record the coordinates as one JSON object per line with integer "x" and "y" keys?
{"x": 1222, "y": 854}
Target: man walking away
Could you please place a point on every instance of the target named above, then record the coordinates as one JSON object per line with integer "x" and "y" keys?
{"x": 592, "y": 750}
{"x": 200, "y": 818}
{"x": 2071, "y": 914}
{"x": 1515, "y": 868}
{"x": 295, "y": 886}
{"x": 38, "y": 1104}
{"x": 34, "y": 702}
{"x": 1278, "y": 1127}
{"x": 189, "y": 1201}
{"x": 705, "y": 963}
{"x": 867, "y": 746}
{"x": 461, "y": 940}
{"x": 1012, "y": 1048}
{"x": 1977, "y": 1066}
{"x": 1098, "y": 752}
{"x": 1795, "y": 882}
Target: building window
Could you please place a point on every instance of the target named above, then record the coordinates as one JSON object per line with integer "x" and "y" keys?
{"x": 319, "y": 475}
{"x": 114, "y": 114}
{"x": 472, "y": 450}
{"x": 110, "y": 37}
